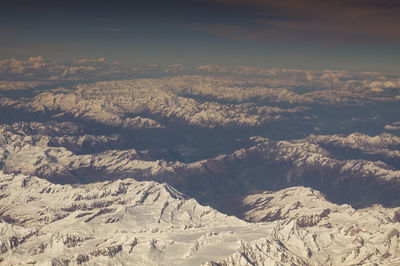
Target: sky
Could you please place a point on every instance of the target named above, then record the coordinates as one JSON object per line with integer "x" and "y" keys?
{"x": 357, "y": 35}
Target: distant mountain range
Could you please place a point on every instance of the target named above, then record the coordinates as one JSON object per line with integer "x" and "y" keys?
{"x": 201, "y": 170}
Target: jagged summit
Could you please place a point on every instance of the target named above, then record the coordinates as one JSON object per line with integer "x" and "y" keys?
{"x": 131, "y": 222}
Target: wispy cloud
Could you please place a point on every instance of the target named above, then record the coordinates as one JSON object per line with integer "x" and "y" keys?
{"x": 18, "y": 74}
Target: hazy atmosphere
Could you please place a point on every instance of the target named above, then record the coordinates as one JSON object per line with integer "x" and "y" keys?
{"x": 200, "y": 132}
{"x": 313, "y": 34}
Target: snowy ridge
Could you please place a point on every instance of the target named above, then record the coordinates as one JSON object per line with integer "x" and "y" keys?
{"x": 126, "y": 221}
{"x": 99, "y": 222}
{"x": 125, "y": 104}
{"x": 312, "y": 231}
{"x": 34, "y": 149}
{"x": 38, "y": 154}
{"x": 263, "y": 252}
{"x": 197, "y": 169}
{"x": 309, "y": 152}
{"x": 381, "y": 144}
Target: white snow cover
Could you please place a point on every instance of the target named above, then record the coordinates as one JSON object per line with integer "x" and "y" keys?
{"x": 147, "y": 223}
{"x": 121, "y": 206}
